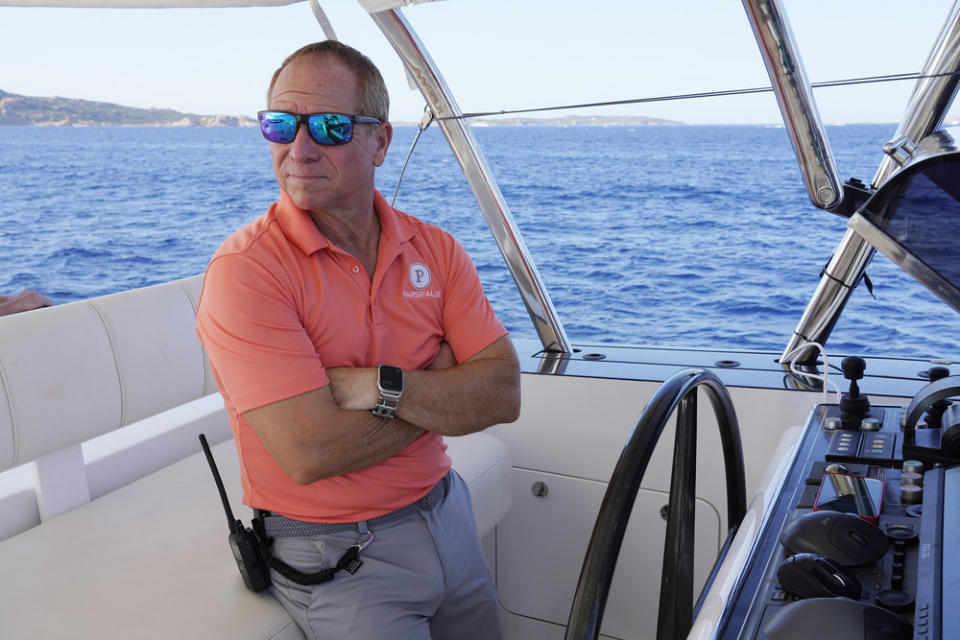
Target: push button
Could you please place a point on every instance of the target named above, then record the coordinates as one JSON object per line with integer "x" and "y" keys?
{"x": 877, "y": 446}
{"x": 843, "y": 445}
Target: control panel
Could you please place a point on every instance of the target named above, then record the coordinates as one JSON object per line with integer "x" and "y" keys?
{"x": 863, "y": 540}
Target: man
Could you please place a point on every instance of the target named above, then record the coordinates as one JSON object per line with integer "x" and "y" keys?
{"x": 347, "y": 338}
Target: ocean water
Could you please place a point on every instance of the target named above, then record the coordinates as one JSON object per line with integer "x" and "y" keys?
{"x": 682, "y": 236}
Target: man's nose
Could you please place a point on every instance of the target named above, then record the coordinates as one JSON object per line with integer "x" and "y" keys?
{"x": 303, "y": 146}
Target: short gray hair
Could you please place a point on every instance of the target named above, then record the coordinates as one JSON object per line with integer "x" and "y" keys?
{"x": 373, "y": 99}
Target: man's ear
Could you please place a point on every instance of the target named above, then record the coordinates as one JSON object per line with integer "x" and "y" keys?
{"x": 383, "y": 137}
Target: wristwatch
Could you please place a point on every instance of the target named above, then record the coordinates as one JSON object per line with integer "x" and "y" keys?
{"x": 390, "y": 384}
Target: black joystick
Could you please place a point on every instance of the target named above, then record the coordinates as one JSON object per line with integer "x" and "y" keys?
{"x": 853, "y": 406}
{"x": 936, "y": 373}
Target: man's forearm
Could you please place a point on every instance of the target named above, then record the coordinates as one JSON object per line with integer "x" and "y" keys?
{"x": 311, "y": 439}
{"x": 450, "y": 399}
{"x": 358, "y": 442}
{"x": 466, "y": 398}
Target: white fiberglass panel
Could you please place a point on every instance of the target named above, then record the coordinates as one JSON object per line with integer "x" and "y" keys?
{"x": 542, "y": 541}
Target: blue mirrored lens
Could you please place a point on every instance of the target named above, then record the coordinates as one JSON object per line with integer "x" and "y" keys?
{"x": 330, "y": 128}
{"x": 277, "y": 126}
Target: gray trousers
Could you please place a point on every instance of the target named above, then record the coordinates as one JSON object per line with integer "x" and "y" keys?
{"x": 423, "y": 577}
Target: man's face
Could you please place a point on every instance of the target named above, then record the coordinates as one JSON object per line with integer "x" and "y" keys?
{"x": 317, "y": 177}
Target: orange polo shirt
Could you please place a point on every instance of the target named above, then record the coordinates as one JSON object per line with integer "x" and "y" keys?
{"x": 280, "y": 304}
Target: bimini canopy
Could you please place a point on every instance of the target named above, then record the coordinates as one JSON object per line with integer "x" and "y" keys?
{"x": 145, "y": 4}
{"x": 371, "y": 6}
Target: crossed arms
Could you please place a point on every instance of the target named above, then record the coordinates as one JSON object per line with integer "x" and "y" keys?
{"x": 330, "y": 431}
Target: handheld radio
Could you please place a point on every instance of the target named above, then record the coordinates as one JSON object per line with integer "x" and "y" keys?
{"x": 243, "y": 540}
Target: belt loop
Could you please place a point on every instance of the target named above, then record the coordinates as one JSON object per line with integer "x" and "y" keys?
{"x": 362, "y": 527}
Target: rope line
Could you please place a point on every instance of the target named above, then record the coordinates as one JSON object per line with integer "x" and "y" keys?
{"x": 898, "y": 77}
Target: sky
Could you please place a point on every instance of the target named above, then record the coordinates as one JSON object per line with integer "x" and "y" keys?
{"x": 494, "y": 54}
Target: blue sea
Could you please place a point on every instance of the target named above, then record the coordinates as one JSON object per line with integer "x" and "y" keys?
{"x": 679, "y": 236}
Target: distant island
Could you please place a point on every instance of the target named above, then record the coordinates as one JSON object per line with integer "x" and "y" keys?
{"x": 65, "y": 112}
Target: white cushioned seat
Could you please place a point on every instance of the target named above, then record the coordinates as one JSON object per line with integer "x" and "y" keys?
{"x": 484, "y": 463}
{"x": 102, "y": 395}
{"x": 53, "y": 361}
{"x": 151, "y": 560}
{"x": 158, "y": 355}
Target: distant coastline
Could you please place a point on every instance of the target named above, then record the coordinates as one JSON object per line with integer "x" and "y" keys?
{"x": 55, "y": 111}
{"x": 67, "y": 112}
{"x": 23, "y": 110}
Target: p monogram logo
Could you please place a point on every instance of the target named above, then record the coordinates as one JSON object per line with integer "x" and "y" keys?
{"x": 419, "y": 275}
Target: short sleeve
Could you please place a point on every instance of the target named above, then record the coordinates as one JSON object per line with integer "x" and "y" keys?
{"x": 252, "y": 331}
{"x": 469, "y": 322}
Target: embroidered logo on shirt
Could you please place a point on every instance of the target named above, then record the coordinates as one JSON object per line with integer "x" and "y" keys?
{"x": 419, "y": 276}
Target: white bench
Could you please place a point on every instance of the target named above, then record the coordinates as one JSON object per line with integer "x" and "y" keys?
{"x": 126, "y": 536}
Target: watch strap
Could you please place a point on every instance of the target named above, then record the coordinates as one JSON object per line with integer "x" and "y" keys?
{"x": 389, "y": 398}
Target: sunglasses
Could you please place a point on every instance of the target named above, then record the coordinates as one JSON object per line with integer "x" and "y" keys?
{"x": 324, "y": 128}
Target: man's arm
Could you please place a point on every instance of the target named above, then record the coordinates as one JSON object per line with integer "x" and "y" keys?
{"x": 23, "y": 301}
{"x": 461, "y": 399}
{"x": 311, "y": 438}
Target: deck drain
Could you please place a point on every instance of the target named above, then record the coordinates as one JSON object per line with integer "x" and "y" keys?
{"x": 594, "y": 356}
{"x": 726, "y": 364}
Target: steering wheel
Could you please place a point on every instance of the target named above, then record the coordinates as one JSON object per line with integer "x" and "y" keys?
{"x": 676, "y": 581}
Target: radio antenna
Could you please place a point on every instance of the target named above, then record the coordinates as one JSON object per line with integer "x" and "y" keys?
{"x": 231, "y": 522}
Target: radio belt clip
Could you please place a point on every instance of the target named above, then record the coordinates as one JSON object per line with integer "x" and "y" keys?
{"x": 350, "y": 562}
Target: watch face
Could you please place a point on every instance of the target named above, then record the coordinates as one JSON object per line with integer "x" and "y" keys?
{"x": 391, "y": 378}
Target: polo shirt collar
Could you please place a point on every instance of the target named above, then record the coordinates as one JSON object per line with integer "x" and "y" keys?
{"x": 392, "y": 226}
{"x": 298, "y": 226}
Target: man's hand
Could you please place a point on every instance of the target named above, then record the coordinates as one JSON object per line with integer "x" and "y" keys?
{"x": 444, "y": 359}
{"x": 354, "y": 388}
{"x": 26, "y": 300}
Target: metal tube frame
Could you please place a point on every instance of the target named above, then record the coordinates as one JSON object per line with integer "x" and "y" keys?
{"x": 928, "y": 105}
{"x": 505, "y": 231}
{"x": 789, "y": 80}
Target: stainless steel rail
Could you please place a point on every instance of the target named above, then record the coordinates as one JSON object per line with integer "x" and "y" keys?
{"x": 800, "y": 115}
{"x": 931, "y": 98}
{"x": 837, "y": 282}
{"x": 441, "y": 101}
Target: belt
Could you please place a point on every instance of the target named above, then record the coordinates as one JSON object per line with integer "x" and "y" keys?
{"x": 277, "y": 526}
